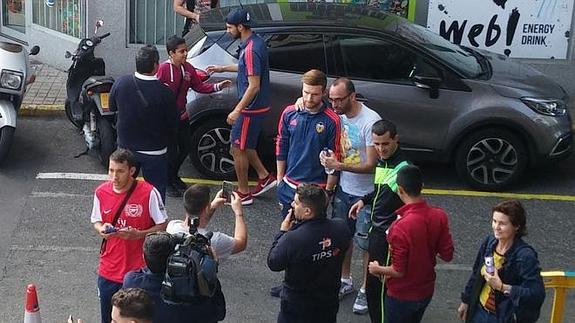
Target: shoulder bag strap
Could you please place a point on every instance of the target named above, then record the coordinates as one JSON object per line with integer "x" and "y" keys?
{"x": 119, "y": 212}
{"x": 140, "y": 94}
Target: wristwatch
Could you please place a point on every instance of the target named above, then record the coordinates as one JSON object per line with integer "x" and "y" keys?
{"x": 506, "y": 290}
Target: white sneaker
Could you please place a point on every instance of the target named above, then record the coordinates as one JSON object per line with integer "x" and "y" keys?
{"x": 345, "y": 288}
{"x": 360, "y": 304}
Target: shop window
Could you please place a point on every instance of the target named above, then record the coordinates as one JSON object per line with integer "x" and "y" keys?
{"x": 13, "y": 15}
{"x": 65, "y": 16}
{"x": 153, "y": 21}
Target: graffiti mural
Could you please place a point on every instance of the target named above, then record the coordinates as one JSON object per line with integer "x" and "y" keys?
{"x": 516, "y": 28}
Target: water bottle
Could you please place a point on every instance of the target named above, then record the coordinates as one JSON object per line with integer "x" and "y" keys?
{"x": 327, "y": 153}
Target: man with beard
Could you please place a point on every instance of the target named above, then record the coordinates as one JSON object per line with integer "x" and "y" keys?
{"x": 249, "y": 113}
{"x": 302, "y": 136}
{"x": 356, "y": 176}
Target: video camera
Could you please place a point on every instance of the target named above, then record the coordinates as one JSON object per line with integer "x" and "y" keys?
{"x": 200, "y": 241}
{"x": 191, "y": 271}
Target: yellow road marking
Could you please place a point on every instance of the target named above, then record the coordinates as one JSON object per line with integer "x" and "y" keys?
{"x": 209, "y": 181}
{"x": 520, "y": 196}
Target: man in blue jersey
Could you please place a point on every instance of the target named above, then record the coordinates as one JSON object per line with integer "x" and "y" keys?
{"x": 302, "y": 135}
{"x": 248, "y": 115}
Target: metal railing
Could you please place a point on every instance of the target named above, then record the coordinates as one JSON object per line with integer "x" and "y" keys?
{"x": 65, "y": 16}
{"x": 560, "y": 281}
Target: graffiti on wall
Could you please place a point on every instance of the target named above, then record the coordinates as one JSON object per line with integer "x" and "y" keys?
{"x": 516, "y": 28}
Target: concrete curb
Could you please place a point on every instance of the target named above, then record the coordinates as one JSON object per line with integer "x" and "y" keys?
{"x": 41, "y": 110}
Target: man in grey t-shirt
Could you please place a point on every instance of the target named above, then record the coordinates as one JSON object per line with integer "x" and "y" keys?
{"x": 358, "y": 162}
{"x": 197, "y": 204}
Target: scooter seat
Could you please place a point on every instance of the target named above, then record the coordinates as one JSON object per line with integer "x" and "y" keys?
{"x": 97, "y": 80}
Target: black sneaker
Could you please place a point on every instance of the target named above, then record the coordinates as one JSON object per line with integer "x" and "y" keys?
{"x": 173, "y": 191}
{"x": 178, "y": 183}
{"x": 276, "y": 291}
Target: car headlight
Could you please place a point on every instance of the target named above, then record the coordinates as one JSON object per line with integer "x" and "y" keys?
{"x": 549, "y": 107}
{"x": 11, "y": 79}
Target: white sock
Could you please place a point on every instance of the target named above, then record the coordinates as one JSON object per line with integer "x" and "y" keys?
{"x": 348, "y": 281}
{"x": 362, "y": 290}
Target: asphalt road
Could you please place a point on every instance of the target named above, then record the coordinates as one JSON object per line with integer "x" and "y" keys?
{"x": 46, "y": 237}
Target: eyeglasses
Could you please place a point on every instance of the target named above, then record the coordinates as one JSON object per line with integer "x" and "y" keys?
{"x": 340, "y": 100}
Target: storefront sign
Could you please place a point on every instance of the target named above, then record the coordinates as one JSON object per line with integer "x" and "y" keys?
{"x": 516, "y": 28}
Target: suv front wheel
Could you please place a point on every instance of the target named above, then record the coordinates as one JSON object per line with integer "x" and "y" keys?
{"x": 491, "y": 159}
{"x": 210, "y": 153}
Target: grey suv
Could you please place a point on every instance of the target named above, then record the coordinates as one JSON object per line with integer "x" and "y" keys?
{"x": 489, "y": 115}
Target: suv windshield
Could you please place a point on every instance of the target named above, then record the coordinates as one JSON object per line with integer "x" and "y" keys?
{"x": 453, "y": 55}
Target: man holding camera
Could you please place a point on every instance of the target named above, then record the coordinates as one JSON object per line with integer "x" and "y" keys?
{"x": 158, "y": 247}
{"x": 197, "y": 204}
{"x": 124, "y": 211}
{"x": 310, "y": 248}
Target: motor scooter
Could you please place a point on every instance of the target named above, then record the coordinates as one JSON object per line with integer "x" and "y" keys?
{"x": 15, "y": 75}
{"x": 88, "y": 89}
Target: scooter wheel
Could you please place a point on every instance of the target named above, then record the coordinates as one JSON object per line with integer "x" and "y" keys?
{"x": 6, "y": 136}
{"x": 77, "y": 123}
{"x": 107, "y": 140}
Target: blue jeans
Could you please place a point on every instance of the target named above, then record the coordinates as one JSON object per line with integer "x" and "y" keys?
{"x": 483, "y": 316}
{"x": 398, "y": 311}
{"x": 285, "y": 195}
{"x": 154, "y": 170}
{"x": 106, "y": 289}
{"x": 342, "y": 202}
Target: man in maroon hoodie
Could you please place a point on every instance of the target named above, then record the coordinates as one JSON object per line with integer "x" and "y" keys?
{"x": 419, "y": 234}
{"x": 179, "y": 76}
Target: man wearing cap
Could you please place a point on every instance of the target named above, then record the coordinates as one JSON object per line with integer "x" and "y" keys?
{"x": 248, "y": 115}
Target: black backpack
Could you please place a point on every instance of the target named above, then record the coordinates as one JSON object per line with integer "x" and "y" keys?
{"x": 191, "y": 272}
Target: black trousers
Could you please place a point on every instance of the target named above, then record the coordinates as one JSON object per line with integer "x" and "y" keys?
{"x": 179, "y": 150}
{"x": 374, "y": 288}
{"x": 304, "y": 313}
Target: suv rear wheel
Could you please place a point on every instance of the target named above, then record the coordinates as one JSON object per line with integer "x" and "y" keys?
{"x": 210, "y": 153}
{"x": 491, "y": 159}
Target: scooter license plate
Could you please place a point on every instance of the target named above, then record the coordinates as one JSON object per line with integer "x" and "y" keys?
{"x": 104, "y": 99}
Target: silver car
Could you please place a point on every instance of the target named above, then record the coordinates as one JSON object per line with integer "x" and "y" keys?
{"x": 488, "y": 115}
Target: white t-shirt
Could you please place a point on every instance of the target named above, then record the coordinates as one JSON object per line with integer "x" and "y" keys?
{"x": 355, "y": 136}
{"x": 222, "y": 244}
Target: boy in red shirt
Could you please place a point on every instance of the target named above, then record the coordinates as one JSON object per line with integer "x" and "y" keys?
{"x": 419, "y": 234}
{"x": 179, "y": 75}
{"x": 123, "y": 230}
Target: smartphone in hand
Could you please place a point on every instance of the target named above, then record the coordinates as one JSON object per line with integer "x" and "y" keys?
{"x": 292, "y": 215}
{"x": 109, "y": 230}
{"x": 227, "y": 190}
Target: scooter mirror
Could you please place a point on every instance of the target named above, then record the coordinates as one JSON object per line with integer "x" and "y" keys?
{"x": 35, "y": 50}
{"x": 68, "y": 54}
{"x": 99, "y": 23}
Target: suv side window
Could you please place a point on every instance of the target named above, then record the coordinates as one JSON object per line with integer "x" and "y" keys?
{"x": 296, "y": 52}
{"x": 375, "y": 59}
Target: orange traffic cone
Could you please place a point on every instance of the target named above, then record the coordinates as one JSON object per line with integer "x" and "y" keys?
{"x": 32, "y": 310}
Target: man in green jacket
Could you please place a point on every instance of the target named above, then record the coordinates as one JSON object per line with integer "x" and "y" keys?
{"x": 384, "y": 202}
